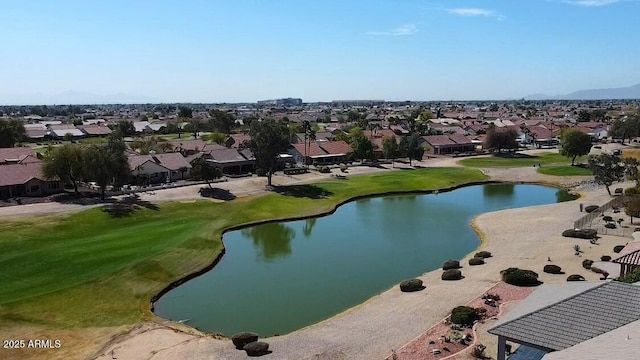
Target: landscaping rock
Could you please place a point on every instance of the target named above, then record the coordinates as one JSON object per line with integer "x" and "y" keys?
{"x": 605, "y": 258}
{"x": 256, "y": 348}
{"x": 451, "y": 264}
{"x": 243, "y": 338}
{"x": 411, "y": 285}
{"x": 618, "y": 248}
{"x": 575, "y": 277}
{"x": 476, "y": 261}
{"x": 591, "y": 208}
{"x": 452, "y": 274}
{"x": 580, "y": 233}
{"x": 483, "y": 254}
{"x": 552, "y": 269}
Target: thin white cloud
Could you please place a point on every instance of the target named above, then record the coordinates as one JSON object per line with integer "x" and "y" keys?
{"x": 475, "y": 12}
{"x": 591, "y": 3}
{"x": 402, "y": 30}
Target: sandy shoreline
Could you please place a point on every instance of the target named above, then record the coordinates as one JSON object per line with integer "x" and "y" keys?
{"x": 391, "y": 319}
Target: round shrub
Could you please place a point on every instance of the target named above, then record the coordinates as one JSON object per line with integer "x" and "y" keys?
{"x": 596, "y": 270}
{"x": 256, "y": 348}
{"x": 483, "y": 254}
{"x": 618, "y": 248}
{"x": 586, "y": 263}
{"x": 476, "y": 261}
{"x": 580, "y": 233}
{"x": 520, "y": 277}
{"x": 605, "y": 258}
{"x": 610, "y": 225}
{"x": 552, "y": 269}
{"x": 591, "y": 208}
{"x": 451, "y": 264}
{"x": 575, "y": 277}
{"x": 607, "y": 218}
{"x": 464, "y": 315}
{"x": 632, "y": 191}
{"x": 452, "y": 274}
{"x": 243, "y": 338}
{"x": 411, "y": 285}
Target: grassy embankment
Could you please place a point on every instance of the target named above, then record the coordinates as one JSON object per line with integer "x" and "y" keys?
{"x": 92, "y": 269}
{"x": 551, "y": 163}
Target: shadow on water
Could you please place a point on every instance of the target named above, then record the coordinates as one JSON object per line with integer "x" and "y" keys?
{"x": 308, "y": 226}
{"x": 216, "y": 193}
{"x": 127, "y": 206}
{"x": 308, "y": 191}
{"x": 506, "y": 190}
{"x": 564, "y": 196}
{"x": 271, "y": 240}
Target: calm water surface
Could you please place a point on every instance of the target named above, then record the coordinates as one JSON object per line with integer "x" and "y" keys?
{"x": 280, "y": 277}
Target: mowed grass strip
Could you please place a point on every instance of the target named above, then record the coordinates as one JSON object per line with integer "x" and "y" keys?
{"x": 90, "y": 269}
{"x": 565, "y": 171}
{"x": 546, "y": 158}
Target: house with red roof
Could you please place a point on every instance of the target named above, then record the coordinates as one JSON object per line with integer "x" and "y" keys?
{"x": 321, "y": 152}
{"x": 448, "y": 144}
{"x": 21, "y": 175}
{"x": 159, "y": 168}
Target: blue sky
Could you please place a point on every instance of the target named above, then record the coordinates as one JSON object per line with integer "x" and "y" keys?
{"x": 248, "y": 50}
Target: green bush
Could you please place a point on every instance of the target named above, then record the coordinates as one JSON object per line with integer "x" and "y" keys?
{"x": 261, "y": 172}
{"x": 610, "y": 225}
{"x": 476, "y": 261}
{"x": 519, "y": 277}
{"x": 607, "y": 218}
{"x": 591, "y": 208}
{"x": 596, "y": 270}
{"x": 483, "y": 254}
{"x": 586, "y": 263}
{"x": 243, "y": 338}
{"x": 451, "y": 264}
{"x": 552, "y": 269}
{"x": 411, "y": 285}
{"x": 575, "y": 277}
{"x": 452, "y": 274}
{"x": 324, "y": 169}
{"x": 618, "y": 248}
{"x": 631, "y": 277}
{"x": 605, "y": 258}
{"x": 580, "y": 233}
{"x": 632, "y": 191}
{"x": 464, "y": 315}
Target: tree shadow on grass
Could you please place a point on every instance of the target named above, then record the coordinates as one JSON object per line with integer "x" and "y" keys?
{"x": 217, "y": 193}
{"x": 127, "y": 206}
{"x": 308, "y": 191}
{"x": 514, "y": 155}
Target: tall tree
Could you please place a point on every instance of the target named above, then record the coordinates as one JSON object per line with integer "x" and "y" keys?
{"x": 574, "y": 143}
{"x": 633, "y": 208}
{"x": 222, "y": 121}
{"x": 390, "y": 148}
{"x": 185, "y": 112}
{"x": 309, "y": 135}
{"x": 269, "y": 139}
{"x": 65, "y": 162}
{"x": 631, "y": 169}
{"x": 627, "y": 128}
{"x": 414, "y": 150}
{"x": 501, "y": 138}
{"x": 11, "y": 132}
{"x": 201, "y": 170}
{"x": 107, "y": 164}
{"x": 361, "y": 145}
{"x": 124, "y": 128}
{"x": 606, "y": 169}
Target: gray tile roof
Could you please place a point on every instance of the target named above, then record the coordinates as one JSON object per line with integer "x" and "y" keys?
{"x": 576, "y": 319}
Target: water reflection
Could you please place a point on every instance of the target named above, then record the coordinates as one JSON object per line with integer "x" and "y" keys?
{"x": 308, "y": 226}
{"x": 505, "y": 190}
{"x": 562, "y": 196}
{"x": 270, "y": 240}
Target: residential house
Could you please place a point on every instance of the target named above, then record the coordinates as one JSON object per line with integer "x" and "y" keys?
{"x": 235, "y": 140}
{"x": 231, "y": 161}
{"x": 21, "y": 175}
{"x": 575, "y": 320}
{"x": 94, "y": 130}
{"x": 159, "y": 168}
{"x": 321, "y": 152}
{"x": 448, "y": 144}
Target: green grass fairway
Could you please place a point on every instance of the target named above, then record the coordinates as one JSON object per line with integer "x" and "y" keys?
{"x": 565, "y": 171}
{"x": 547, "y": 158}
{"x": 92, "y": 269}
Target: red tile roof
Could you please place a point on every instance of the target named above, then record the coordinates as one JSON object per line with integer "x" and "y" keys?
{"x": 95, "y": 130}
{"x": 18, "y": 174}
{"x": 15, "y": 154}
{"x": 336, "y": 147}
{"x": 438, "y": 140}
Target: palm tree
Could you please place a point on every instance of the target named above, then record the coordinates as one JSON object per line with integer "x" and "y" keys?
{"x": 309, "y": 135}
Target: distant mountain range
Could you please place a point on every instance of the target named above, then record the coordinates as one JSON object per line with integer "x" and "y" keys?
{"x": 631, "y": 92}
{"x": 74, "y": 98}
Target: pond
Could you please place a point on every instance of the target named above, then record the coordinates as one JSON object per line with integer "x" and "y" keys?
{"x": 280, "y": 277}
